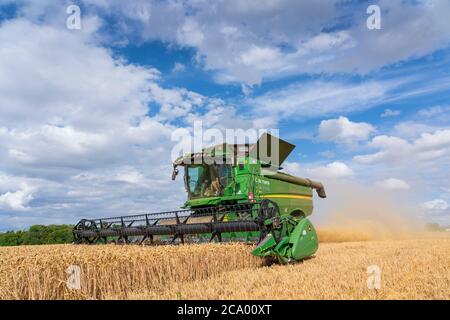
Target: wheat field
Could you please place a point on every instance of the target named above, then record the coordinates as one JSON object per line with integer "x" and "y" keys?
{"x": 410, "y": 269}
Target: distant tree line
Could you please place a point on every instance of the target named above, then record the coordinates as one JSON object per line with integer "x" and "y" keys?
{"x": 52, "y": 234}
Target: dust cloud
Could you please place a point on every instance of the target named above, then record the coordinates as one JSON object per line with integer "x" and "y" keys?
{"x": 355, "y": 212}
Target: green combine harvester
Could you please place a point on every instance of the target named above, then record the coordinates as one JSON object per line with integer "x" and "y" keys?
{"x": 235, "y": 193}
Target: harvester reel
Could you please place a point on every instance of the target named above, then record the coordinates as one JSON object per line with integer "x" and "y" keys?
{"x": 85, "y": 225}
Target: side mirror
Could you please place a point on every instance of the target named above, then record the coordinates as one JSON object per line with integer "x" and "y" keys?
{"x": 174, "y": 173}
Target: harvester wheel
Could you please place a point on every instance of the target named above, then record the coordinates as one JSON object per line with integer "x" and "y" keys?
{"x": 269, "y": 210}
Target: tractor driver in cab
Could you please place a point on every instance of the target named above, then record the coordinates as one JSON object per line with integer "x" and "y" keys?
{"x": 220, "y": 175}
{"x": 215, "y": 187}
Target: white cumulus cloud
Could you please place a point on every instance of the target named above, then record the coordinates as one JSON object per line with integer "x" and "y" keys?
{"x": 428, "y": 147}
{"x": 334, "y": 170}
{"x": 17, "y": 200}
{"x": 436, "y": 204}
{"x": 342, "y": 130}
{"x": 393, "y": 184}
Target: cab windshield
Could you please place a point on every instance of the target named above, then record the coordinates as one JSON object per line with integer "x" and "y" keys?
{"x": 207, "y": 180}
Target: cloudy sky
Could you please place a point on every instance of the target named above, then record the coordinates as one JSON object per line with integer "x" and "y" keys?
{"x": 87, "y": 115}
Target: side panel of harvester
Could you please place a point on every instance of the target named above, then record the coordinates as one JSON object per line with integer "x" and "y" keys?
{"x": 291, "y": 198}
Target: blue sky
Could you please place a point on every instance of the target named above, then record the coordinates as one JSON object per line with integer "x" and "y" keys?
{"x": 86, "y": 116}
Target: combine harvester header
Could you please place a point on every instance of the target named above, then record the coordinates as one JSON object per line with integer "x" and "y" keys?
{"x": 235, "y": 193}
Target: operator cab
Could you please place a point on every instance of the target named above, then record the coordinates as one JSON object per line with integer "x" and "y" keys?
{"x": 211, "y": 172}
{"x": 207, "y": 180}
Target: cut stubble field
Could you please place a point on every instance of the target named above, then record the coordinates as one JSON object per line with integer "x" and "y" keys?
{"x": 410, "y": 269}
